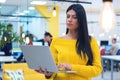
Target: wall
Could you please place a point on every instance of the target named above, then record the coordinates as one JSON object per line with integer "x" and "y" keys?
{"x": 52, "y": 21}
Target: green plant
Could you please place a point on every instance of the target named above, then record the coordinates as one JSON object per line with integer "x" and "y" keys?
{"x": 14, "y": 37}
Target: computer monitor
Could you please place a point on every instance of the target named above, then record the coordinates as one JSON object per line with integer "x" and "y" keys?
{"x": 108, "y": 47}
{"x": 105, "y": 42}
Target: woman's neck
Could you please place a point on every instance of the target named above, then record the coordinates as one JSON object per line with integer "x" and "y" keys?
{"x": 71, "y": 35}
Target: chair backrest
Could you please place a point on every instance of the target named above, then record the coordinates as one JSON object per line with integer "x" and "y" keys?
{"x": 15, "y": 66}
{"x": 102, "y": 52}
{"x": 118, "y": 53}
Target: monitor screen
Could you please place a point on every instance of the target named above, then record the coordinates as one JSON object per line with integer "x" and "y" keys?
{"x": 104, "y": 42}
{"x": 107, "y": 47}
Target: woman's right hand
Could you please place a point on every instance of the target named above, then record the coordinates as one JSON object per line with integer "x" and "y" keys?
{"x": 47, "y": 73}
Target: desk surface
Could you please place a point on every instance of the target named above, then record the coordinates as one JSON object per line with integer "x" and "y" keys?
{"x": 7, "y": 59}
{"x": 115, "y": 57}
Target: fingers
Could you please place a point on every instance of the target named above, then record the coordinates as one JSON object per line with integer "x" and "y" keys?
{"x": 37, "y": 70}
{"x": 68, "y": 67}
{"x": 40, "y": 70}
{"x": 47, "y": 73}
{"x": 64, "y": 65}
{"x": 44, "y": 71}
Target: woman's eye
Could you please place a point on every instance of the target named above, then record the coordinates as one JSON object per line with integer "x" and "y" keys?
{"x": 68, "y": 16}
{"x": 75, "y": 17}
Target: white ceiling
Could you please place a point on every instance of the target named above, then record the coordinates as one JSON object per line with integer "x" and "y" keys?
{"x": 12, "y": 5}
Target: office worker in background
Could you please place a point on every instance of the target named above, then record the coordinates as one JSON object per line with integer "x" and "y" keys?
{"x": 47, "y": 38}
{"x": 7, "y": 48}
{"x": 29, "y": 36}
{"x": 76, "y": 50}
{"x": 114, "y": 49}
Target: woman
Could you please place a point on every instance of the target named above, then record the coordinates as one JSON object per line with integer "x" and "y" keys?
{"x": 76, "y": 50}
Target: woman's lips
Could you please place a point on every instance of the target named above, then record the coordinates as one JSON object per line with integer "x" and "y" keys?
{"x": 69, "y": 24}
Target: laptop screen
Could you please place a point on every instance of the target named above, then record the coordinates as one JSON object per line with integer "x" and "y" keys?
{"x": 107, "y": 47}
{"x": 37, "y": 43}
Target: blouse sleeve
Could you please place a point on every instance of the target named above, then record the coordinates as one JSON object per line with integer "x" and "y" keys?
{"x": 90, "y": 70}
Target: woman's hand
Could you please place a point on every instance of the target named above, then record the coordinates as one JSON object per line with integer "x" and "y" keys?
{"x": 47, "y": 73}
{"x": 64, "y": 65}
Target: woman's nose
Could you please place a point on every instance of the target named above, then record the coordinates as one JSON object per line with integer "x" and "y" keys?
{"x": 69, "y": 19}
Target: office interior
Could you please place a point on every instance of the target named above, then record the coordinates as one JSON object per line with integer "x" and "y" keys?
{"x": 37, "y": 18}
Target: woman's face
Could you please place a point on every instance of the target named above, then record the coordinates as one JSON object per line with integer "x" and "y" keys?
{"x": 71, "y": 20}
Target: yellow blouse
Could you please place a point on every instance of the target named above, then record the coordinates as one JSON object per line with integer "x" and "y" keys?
{"x": 63, "y": 50}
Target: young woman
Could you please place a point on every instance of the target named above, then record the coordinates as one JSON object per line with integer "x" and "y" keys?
{"x": 76, "y": 50}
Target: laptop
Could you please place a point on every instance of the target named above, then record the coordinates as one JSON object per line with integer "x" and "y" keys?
{"x": 40, "y": 56}
{"x": 108, "y": 47}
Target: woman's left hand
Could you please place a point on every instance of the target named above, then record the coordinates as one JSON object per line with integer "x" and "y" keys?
{"x": 45, "y": 72}
{"x": 64, "y": 65}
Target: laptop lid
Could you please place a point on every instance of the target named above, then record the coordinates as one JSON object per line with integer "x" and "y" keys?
{"x": 39, "y": 56}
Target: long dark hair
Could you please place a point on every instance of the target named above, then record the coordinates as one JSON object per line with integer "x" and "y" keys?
{"x": 83, "y": 39}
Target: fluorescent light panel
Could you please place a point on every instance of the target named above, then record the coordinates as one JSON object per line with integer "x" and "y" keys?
{"x": 2, "y": 1}
{"x": 31, "y": 8}
{"x": 21, "y": 13}
{"x": 38, "y": 2}
{"x": 26, "y": 11}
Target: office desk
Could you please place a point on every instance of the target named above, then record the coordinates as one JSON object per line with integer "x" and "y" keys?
{"x": 112, "y": 59}
{"x": 4, "y": 59}
{"x": 7, "y": 59}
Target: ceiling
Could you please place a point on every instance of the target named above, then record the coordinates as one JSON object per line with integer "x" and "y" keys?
{"x": 12, "y": 5}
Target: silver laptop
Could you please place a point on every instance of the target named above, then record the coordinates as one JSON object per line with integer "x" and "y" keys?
{"x": 40, "y": 56}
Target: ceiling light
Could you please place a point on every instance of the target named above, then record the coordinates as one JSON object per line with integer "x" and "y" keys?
{"x": 26, "y": 11}
{"x": 2, "y": 1}
{"x": 31, "y": 8}
{"x": 11, "y": 18}
{"x": 38, "y": 2}
{"x": 54, "y": 11}
{"x": 21, "y": 14}
{"x": 107, "y": 16}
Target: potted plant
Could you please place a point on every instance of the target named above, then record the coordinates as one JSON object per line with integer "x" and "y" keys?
{"x": 14, "y": 37}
